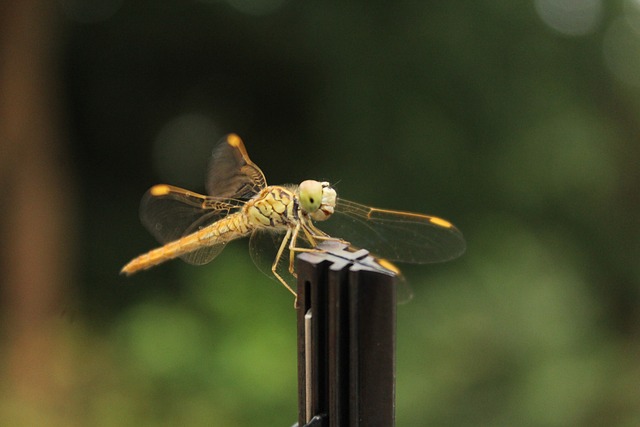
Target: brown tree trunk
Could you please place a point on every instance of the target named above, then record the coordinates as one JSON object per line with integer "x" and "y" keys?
{"x": 36, "y": 206}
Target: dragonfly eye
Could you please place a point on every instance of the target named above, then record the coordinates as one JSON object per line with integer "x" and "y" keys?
{"x": 310, "y": 195}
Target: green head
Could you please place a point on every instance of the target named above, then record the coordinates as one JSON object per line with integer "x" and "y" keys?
{"x": 317, "y": 199}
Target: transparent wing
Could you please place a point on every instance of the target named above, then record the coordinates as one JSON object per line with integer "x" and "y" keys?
{"x": 170, "y": 213}
{"x": 204, "y": 255}
{"x": 263, "y": 247}
{"x": 395, "y": 235}
{"x": 231, "y": 173}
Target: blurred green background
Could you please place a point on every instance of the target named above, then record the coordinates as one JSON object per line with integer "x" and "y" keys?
{"x": 516, "y": 120}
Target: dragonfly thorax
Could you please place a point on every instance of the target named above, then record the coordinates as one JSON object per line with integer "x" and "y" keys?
{"x": 274, "y": 206}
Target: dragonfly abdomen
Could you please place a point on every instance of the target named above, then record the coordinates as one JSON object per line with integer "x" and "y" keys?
{"x": 224, "y": 230}
{"x": 159, "y": 255}
{"x": 232, "y": 227}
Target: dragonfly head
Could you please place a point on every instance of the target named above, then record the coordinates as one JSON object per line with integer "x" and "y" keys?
{"x": 317, "y": 199}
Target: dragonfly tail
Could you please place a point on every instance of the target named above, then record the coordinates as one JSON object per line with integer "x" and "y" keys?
{"x": 158, "y": 256}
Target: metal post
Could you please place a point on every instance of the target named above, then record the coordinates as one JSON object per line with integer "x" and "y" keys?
{"x": 346, "y": 339}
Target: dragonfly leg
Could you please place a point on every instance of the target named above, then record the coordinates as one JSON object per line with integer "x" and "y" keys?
{"x": 332, "y": 239}
{"x": 317, "y": 233}
{"x": 277, "y": 260}
{"x": 293, "y": 248}
{"x": 321, "y": 235}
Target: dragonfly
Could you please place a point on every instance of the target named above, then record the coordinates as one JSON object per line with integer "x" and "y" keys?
{"x": 239, "y": 203}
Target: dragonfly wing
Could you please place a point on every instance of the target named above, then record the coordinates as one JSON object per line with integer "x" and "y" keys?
{"x": 170, "y": 212}
{"x": 394, "y": 235}
{"x": 231, "y": 173}
{"x": 203, "y": 255}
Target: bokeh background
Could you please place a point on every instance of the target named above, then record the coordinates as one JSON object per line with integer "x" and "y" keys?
{"x": 517, "y": 120}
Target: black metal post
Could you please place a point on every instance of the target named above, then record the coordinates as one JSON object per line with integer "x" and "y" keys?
{"x": 346, "y": 339}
